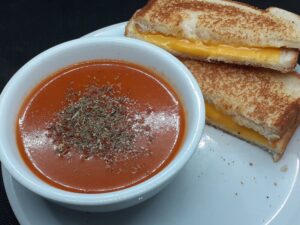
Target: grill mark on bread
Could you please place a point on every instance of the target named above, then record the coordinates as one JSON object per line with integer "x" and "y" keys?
{"x": 225, "y": 21}
{"x": 167, "y": 11}
{"x": 287, "y": 62}
{"x": 141, "y": 12}
{"x": 254, "y": 93}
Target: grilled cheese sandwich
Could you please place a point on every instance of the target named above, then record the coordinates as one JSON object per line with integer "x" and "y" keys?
{"x": 218, "y": 118}
{"x": 192, "y": 29}
{"x": 255, "y": 104}
{"x": 209, "y": 50}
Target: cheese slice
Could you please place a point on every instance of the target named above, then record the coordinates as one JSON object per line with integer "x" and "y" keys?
{"x": 209, "y": 50}
{"x": 226, "y": 122}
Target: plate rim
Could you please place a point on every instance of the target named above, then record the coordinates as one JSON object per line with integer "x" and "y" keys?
{"x": 13, "y": 198}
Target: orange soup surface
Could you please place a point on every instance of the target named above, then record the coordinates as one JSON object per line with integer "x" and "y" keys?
{"x": 100, "y": 126}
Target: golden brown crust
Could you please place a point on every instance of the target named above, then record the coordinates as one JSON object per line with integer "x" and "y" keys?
{"x": 145, "y": 9}
{"x": 263, "y": 100}
{"x": 244, "y": 4}
{"x": 221, "y": 21}
{"x": 287, "y": 62}
{"x": 280, "y": 145}
{"x": 278, "y": 148}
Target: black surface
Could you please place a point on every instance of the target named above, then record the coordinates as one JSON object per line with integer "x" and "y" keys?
{"x": 30, "y": 27}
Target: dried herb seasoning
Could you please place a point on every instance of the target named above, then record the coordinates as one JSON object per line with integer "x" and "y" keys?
{"x": 100, "y": 123}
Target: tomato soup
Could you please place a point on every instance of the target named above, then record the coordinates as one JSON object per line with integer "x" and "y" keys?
{"x": 100, "y": 126}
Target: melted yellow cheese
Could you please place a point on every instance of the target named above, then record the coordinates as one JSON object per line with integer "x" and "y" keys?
{"x": 226, "y": 122}
{"x": 200, "y": 49}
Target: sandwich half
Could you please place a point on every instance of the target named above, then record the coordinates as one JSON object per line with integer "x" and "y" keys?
{"x": 258, "y": 105}
{"x": 220, "y": 30}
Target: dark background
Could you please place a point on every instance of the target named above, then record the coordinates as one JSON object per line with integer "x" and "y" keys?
{"x": 30, "y": 27}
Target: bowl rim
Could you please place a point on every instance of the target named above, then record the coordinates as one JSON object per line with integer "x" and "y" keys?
{"x": 87, "y": 199}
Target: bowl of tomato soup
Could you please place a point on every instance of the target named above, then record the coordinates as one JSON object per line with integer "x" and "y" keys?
{"x": 100, "y": 124}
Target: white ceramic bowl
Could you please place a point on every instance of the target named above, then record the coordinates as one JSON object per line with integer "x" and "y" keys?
{"x": 37, "y": 69}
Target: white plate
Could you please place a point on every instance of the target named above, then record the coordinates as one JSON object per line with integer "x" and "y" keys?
{"x": 228, "y": 181}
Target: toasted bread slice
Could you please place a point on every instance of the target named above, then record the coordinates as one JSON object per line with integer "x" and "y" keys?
{"x": 220, "y": 22}
{"x": 259, "y": 105}
{"x": 285, "y": 59}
